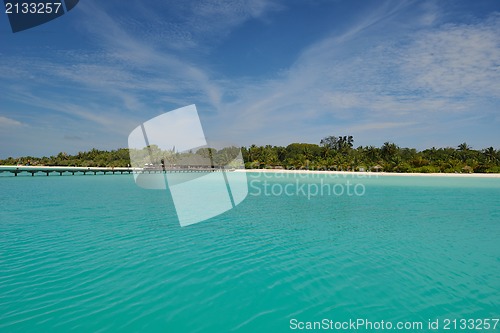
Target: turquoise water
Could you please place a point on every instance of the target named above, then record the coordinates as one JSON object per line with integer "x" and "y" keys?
{"x": 98, "y": 254}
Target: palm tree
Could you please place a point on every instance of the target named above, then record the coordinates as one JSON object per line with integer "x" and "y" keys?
{"x": 345, "y": 143}
{"x": 252, "y": 153}
{"x": 464, "y": 147}
{"x": 325, "y": 151}
{"x": 372, "y": 153}
{"x": 341, "y": 143}
{"x": 349, "y": 141}
{"x": 388, "y": 151}
{"x": 490, "y": 154}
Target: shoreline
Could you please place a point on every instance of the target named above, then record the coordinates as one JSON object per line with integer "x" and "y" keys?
{"x": 50, "y": 169}
{"x": 373, "y": 174}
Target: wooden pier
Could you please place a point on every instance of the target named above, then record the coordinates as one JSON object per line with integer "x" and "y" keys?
{"x": 17, "y": 169}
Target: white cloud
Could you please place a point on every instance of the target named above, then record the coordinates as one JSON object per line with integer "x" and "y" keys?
{"x": 456, "y": 60}
{"x": 150, "y": 61}
{"x": 9, "y": 122}
{"x": 380, "y": 126}
{"x": 388, "y": 71}
{"x": 419, "y": 76}
{"x": 130, "y": 77}
{"x": 193, "y": 25}
{"x": 431, "y": 13}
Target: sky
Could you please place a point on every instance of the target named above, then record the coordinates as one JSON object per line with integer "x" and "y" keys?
{"x": 418, "y": 73}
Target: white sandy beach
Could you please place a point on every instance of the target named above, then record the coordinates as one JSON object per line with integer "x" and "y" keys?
{"x": 361, "y": 173}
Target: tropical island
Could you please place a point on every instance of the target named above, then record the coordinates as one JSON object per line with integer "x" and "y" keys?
{"x": 332, "y": 153}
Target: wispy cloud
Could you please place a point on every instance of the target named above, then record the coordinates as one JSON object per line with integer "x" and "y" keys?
{"x": 456, "y": 60}
{"x": 195, "y": 25}
{"x": 9, "y": 122}
{"x": 396, "y": 68}
{"x": 421, "y": 75}
{"x": 129, "y": 75}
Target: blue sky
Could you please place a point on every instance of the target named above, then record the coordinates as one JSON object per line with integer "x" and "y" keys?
{"x": 418, "y": 73}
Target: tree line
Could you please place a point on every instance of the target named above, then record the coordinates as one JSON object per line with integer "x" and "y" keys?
{"x": 332, "y": 153}
{"x": 338, "y": 153}
{"x": 91, "y": 158}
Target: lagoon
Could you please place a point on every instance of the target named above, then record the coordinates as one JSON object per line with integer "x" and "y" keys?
{"x": 98, "y": 253}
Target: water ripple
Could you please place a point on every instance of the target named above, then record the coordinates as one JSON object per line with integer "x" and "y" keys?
{"x": 105, "y": 265}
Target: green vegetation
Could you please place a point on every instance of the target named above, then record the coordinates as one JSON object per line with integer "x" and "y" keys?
{"x": 92, "y": 158}
{"x": 203, "y": 157}
{"x": 333, "y": 153}
{"x": 338, "y": 153}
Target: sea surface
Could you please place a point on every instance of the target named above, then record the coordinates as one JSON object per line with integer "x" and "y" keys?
{"x": 99, "y": 254}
